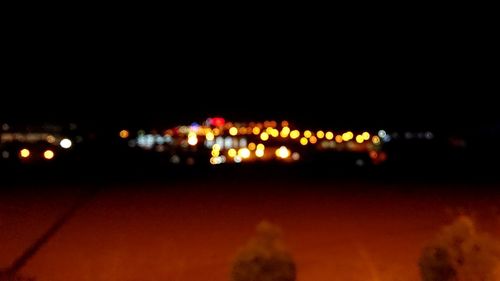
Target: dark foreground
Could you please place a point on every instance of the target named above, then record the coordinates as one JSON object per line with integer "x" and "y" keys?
{"x": 189, "y": 229}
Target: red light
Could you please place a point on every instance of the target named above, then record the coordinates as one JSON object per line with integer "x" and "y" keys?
{"x": 217, "y": 121}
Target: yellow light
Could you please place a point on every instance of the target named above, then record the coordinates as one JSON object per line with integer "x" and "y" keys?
{"x": 215, "y": 152}
{"x": 375, "y": 139}
{"x": 347, "y": 136}
{"x": 260, "y": 146}
{"x": 259, "y": 153}
{"x": 307, "y": 133}
{"x": 210, "y": 136}
{"x": 231, "y": 152}
{"x": 338, "y": 138}
{"x": 303, "y": 141}
{"x": 48, "y": 154}
{"x": 251, "y": 146}
{"x": 320, "y": 134}
{"x": 359, "y": 139}
{"x": 216, "y": 147}
{"x": 313, "y": 140}
{"x": 295, "y": 134}
{"x": 283, "y": 152}
{"x": 233, "y": 131}
{"x": 269, "y": 130}
{"x": 244, "y": 153}
{"x": 25, "y": 153}
{"x": 284, "y": 132}
{"x": 366, "y": 135}
{"x": 329, "y": 135}
{"x": 275, "y": 133}
{"x": 193, "y": 140}
{"x": 264, "y": 136}
{"x": 124, "y": 134}
{"x": 256, "y": 130}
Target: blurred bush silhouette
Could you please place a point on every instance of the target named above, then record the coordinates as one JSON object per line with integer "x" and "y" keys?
{"x": 460, "y": 253}
{"x": 264, "y": 258}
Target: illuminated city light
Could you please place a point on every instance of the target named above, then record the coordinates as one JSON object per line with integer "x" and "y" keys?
{"x": 320, "y": 134}
{"x": 216, "y": 146}
{"x": 347, "y": 136}
{"x": 329, "y": 135}
{"x": 275, "y": 133}
{"x": 25, "y": 153}
{"x": 192, "y": 138}
{"x": 285, "y": 132}
{"x": 5, "y": 154}
{"x": 244, "y": 153}
{"x": 259, "y": 153}
{"x": 237, "y": 159}
{"x": 303, "y": 141}
{"x": 51, "y": 139}
{"x": 210, "y": 136}
{"x": 284, "y": 123}
{"x": 359, "y": 139}
{"x": 243, "y": 131}
{"x": 269, "y": 130}
{"x": 307, "y": 133}
{"x": 382, "y": 133}
{"x": 366, "y": 136}
{"x": 233, "y": 131}
{"x": 313, "y": 140}
{"x": 295, "y": 134}
{"x": 260, "y": 146}
{"x": 252, "y": 146}
{"x": 124, "y": 134}
{"x": 65, "y": 143}
{"x": 231, "y": 152}
{"x": 264, "y": 136}
{"x": 48, "y": 154}
{"x": 256, "y": 130}
{"x": 373, "y": 154}
{"x": 215, "y": 152}
{"x": 296, "y": 156}
{"x": 283, "y": 152}
{"x": 338, "y": 138}
{"x": 375, "y": 139}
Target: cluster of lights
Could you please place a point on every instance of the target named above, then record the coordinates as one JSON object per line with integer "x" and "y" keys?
{"x": 26, "y": 153}
{"x": 229, "y": 142}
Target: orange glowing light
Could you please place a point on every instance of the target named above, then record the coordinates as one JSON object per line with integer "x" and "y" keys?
{"x": 124, "y": 134}
{"x": 256, "y": 130}
{"x": 313, "y": 140}
{"x": 338, "y": 138}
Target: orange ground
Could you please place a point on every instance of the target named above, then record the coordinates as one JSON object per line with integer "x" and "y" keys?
{"x": 190, "y": 231}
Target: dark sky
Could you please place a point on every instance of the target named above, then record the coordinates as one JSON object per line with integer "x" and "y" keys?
{"x": 350, "y": 76}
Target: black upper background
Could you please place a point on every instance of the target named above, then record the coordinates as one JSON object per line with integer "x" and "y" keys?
{"x": 324, "y": 73}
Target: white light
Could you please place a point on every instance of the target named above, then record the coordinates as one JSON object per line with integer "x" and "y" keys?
{"x": 193, "y": 140}
{"x": 382, "y": 134}
{"x": 283, "y": 152}
{"x": 237, "y": 159}
{"x": 296, "y": 156}
{"x": 65, "y": 143}
{"x": 259, "y": 153}
{"x": 244, "y": 152}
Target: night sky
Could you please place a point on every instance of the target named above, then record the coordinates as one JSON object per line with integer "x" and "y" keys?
{"x": 361, "y": 76}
